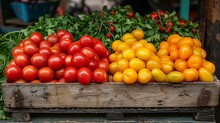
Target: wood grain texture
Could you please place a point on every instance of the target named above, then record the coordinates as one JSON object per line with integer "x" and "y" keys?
{"x": 109, "y": 95}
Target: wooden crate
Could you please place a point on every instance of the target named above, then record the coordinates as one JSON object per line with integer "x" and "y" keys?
{"x": 111, "y": 98}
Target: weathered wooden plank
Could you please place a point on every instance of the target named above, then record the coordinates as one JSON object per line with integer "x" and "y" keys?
{"x": 110, "y": 95}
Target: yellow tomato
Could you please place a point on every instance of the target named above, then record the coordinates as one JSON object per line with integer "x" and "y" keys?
{"x": 130, "y": 41}
{"x": 151, "y": 64}
{"x": 138, "y": 34}
{"x": 129, "y": 76}
{"x": 136, "y": 64}
{"x": 175, "y": 77}
{"x": 143, "y": 53}
{"x": 144, "y": 76}
{"x": 127, "y": 35}
{"x": 115, "y": 45}
{"x": 205, "y": 75}
{"x": 136, "y": 45}
{"x": 118, "y": 77}
{"x": 158, "y": 75}
{"x": 128, "y": 54}
{"x": 122, "y": 64}
{"x": 121, "y": 46}
{"x": 113, "y": 67}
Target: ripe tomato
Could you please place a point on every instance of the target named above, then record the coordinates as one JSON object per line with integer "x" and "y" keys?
{"x": 70, "y": 74}
{"x": 45, "y": 51}
{"x": 20, "y": 81}
{"x": 67, "y": 35}
{"x": 58, "y": 74}
{"x": 55, "y": 50}
{"x": 182, "y": 22}
{"x": 93, "y": 64}
{"x": 131, "y": 14}
{"x": 29, "y": 73}
{"x": 84, "y": 75}
{"x": 67, "y": 61}
{"x": 154, "y": 16}
{"x": 45, "y": 43}
{"x": 61, "y": 32}
{"x": 17, "y": 50}
{"x": 99, "y": 75}
{"x": 162, "y": 13}
{"x": 80, "y": 60}
{"x": 53, "y": 39}
{"x": 111, "y": 23}
{"x": 25, "y": 41}
{"x": 74, "y": 47}
{"x": 63, "y": 55}
{"x": 104, "y": 65}
{"x": 194, "y": 31}
{"x": 36, "y": 37}
{"x": 12, "y": 62}
{"x": 86, "y": 41}
{"x": 39, "y": 60}
{"x": 64, "y": 44}
{"x": 88, "y": 51}
{"x": 62, "y": 80}
{"x": 100, "y": 49}
{"x": 96, "y": 40}
{"x": 108, "y": 53}
{"x": 109, "y": 35}
{"x": 96, "y": 57}
{"x": 170, "y": 24}
{"x": 13, "y": 73}
{"x": 112, "y": 29}
{"x": 22, "y": 60}
{"x": 45, "y": 74}
{"x": 55, "y": 62}
{"x": 30, "y": 49}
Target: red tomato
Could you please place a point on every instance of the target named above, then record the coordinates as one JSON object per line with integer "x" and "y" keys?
{"x": 86, "y": 41}
{"x": 99, "y": 75}
{"x": 45, "y": 74}
{"x": 74, "y": 48}
{"x": 67, "y": 61}
{"x": 46, "y": 51}
{"x": 182, "y": 22}
{"x": 194, "y": 31}
{"x": 131, "y": 14}
{"x": 162, "y": 13}
{"x": 17, "y": 50}
{"x": 25, "y": 41}
{"x": 13, "y": 73}
{"x": 84, "y": 75}
{"x": 64, "y": 44}
{"x": 30, "y": 49}
{"x": 22, "y": 60}
{"x": 100, "y": 49}
{"x": 29, "y": 73}
{"x": 56, "y": 45}
{"x": 93, "y": 64}
{"x": 62, "y": 80}
{"x": 96, "y": 40}
{"x": 58, "y": 74}
{"x": 106, "y": 59}
{"x": 55, "y": 50}
{"x": 12, "y": 62}
{"x": 55, "y": 62}
{"x": 154, "y": 16}
{"x": 36, "y": 81}
{"x": 112, "y": 29}
{"x": 104, "y": 65}
{"x": 20, "y": 81}
{"x": 111, "y": 23}
{"x": 36, "y": 37}
{"x": 170, "y": 24}
{"x": 61, "y": 32}
{"x": 80, "y": 60}
{"x": 67, "y": 35}
{"x": 45, "y": 43}
{"x": 89, "y": 52}
{"x": 53, "y": 39}
{"x": 39, "y": 60}
{"x": 109, "y": 35}
{"x": 63, "y": 55}
{"x": 108, "y": 53}
{"x": 70, "y": 74}
{"x": 96, "y": 57}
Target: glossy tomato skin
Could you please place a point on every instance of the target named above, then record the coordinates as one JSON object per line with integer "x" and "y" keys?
{"x": 93, "y": 64}
{"x": 20, "y": 81}
{"x": 79, "y": 60}
{"x": 22, "y": 60}
{"x": 25, "y": 41}
{"x": 13, "y": 73}
{"x": 96, "y": 40}
{"x": 100, "y": 49}
{"x": 74, "y": 47}
{"x": 12, "y": 62}
{"x": 154, "y": 16}
{"x": 45, "y": 51}
{"x": 36, "y": 37}
{"x": 53, "y": 39}
{"x": 29, "y": 73}
{"x": 61, "y": 32}
{"x": 67, "y": 35}
{"x": 86, "y": 41}
{"x": 70, "y": 74}
{"x": 58, "y": 74}
{"x": 55, "y": 50}
{"x": 63, "y": 55}
{"x": 45, "y": 43}
{"x": 55, "y": 62}
{"x": 17, "y": 50}
{"x": 103, "y": 64}
{"x": 96, "y": 57}
{"x": 67, "y": 61}
{"x": 84, "y": 75}
{"x": 88, "y": 51}
{"x": 39, "y": 60}
{"x": 64, "y": 44}
{"x": 45, "y": 74}
{"x": 99, "y": 75}
{"x": 30, "y": 49}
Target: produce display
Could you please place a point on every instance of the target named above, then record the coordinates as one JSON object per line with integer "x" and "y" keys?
{"x": 157, "y": 47}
